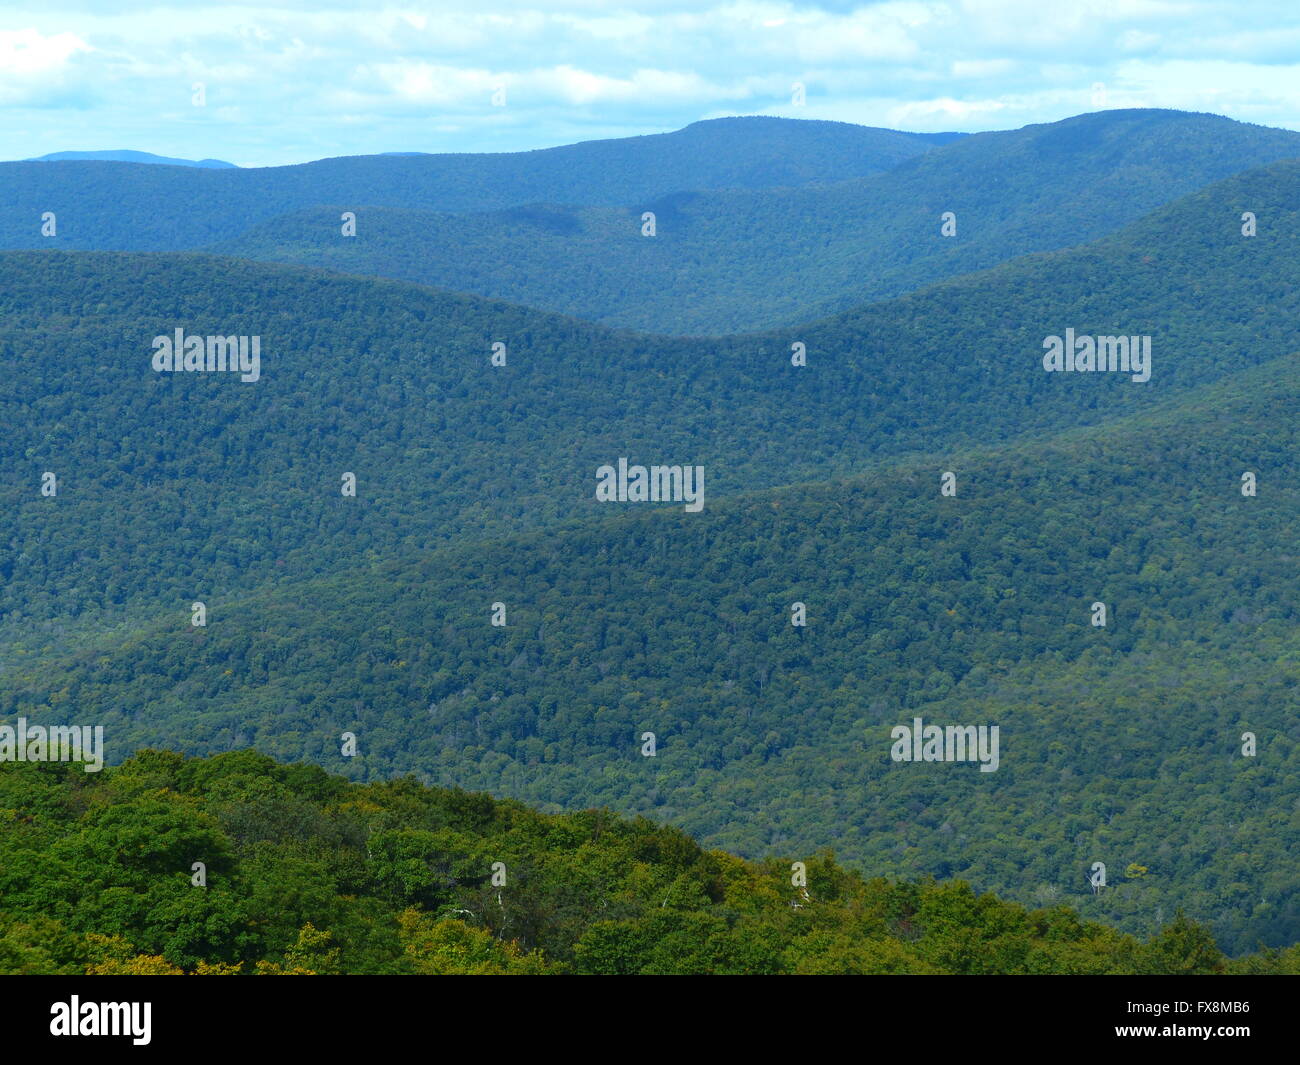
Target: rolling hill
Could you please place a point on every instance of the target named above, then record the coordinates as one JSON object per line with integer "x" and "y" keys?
{"x": 328, "y": 613}
{"x": 394, "y": 383}
{"x": 134, "y": 208}
{"x": 311, "y": 875}
{"x": 739, "y": 261}
{"x": 1119, "y": 744}
{"x": 760, "y": 223}
{"x": 128, "y": 156}
{"x": 475, "y": 485}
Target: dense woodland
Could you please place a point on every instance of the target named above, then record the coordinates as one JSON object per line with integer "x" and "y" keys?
{"x": 328, "y": 614}
{"x": 307, "y": 873}
{"x": 735, "y": 261}
{"x": 144, "y": 207}
{"x": 971, "y": 609}
{"x": 760, "y": 223}
{"x": 399, "y": 390}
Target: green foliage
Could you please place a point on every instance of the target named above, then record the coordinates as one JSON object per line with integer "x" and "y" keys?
{"x": 965, "y": 610}
{"x": 733, "y": 260}
{"x": 240, "y": 483}
{"x": 585, "y": 893}
{"x": 370, "y": 615}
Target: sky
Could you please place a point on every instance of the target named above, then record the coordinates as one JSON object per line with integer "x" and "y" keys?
{"x": 288, "y": 81}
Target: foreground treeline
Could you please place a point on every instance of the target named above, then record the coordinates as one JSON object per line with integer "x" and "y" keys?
{"x": 308, "y": 873}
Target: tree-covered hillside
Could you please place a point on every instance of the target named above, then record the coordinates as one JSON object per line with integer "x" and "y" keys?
{"x": 740, "y": 261}
{"x": 137, "y": 207}
{"x": 129, "y": 156}
{"x": 394, "y": 383}
{"x": 1120, "y": 744}
{"x": 328, "y": 613}
{"x": 305, "y": 873}
{"x": 759, "y": 222}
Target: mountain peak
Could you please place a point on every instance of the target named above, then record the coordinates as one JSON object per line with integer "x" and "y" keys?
{"x": 125, "y": 155}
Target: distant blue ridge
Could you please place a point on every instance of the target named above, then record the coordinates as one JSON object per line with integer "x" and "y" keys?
{"x": 126, "y": 156}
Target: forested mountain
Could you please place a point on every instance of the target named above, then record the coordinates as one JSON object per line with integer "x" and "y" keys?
{"x": 735, "y": 261}
{"x": 972, "y": 609}
{"x": 758, "y": 222}
{"x": 393, "y": 382}
{"x": 128, "y": 495}
{"x": 127, "y": 156}
{"x": 134, "y": 208}
{"x": 306, "y": 873}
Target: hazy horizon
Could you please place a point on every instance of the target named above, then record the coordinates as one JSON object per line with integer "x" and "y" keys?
{"x": 217, "y": 157}
{"x": 293, "y": 82}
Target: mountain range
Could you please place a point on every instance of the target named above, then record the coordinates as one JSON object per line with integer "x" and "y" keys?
{"x": 128, "y": 156}
{"x": 811, "y": 339}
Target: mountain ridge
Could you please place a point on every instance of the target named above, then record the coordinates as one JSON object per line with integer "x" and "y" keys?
{"x": 770, "y": 737}
{"x": 726, "y": 261}
{"x": 152, "y": 208}
{"x": 124, "y": 155}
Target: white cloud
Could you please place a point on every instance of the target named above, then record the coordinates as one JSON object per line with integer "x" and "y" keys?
{"x": 922, "y": 113}
{"x": 35, "y": 68}
{"x": 24, "y": 53}
{"x": 418, "y": 76}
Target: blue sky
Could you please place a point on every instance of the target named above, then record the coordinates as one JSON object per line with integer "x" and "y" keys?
{"x": 288, "y": 81}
